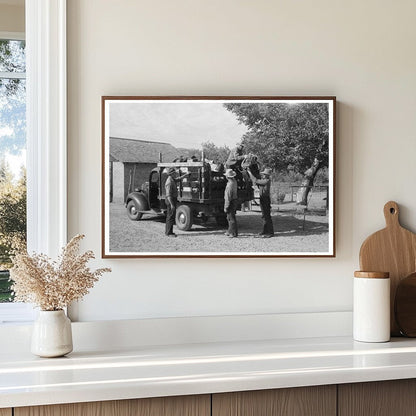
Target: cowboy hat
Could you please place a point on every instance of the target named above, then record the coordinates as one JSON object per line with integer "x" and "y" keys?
{"x": 267, "y": 171}
{"x": 229, "y": 173}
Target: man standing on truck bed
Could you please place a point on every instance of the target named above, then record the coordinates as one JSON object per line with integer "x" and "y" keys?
{"x": 231, "y": 203}
{"x": 171, "y": 199}
{"x": 235, "y": 158}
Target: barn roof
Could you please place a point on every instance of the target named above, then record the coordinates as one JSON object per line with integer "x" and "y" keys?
{"x": 140, "y": 151}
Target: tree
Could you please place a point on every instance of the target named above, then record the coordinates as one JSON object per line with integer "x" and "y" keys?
{"x": 12, "y": 213}
{"x": 189, "y": 152}
{"x": 6, "y": 176}
{"x": 218, "y": 154}
{"x": 287, "y": 134}
{"x": 12, "y": 142}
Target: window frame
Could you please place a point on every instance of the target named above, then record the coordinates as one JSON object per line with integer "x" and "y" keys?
{"x": 46, "y": 138}
{"x": 46, "y": 125}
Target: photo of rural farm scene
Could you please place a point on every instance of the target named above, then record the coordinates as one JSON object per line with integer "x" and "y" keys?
{"x": 222, "y": 177}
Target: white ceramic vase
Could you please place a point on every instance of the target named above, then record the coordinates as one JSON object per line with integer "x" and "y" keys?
{"x": 52, "y": 334}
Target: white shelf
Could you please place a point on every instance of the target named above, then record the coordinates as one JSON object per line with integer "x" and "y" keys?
{"x": 151, "y": 371}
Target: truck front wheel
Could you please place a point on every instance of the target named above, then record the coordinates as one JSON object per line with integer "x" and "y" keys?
{"x": 184, "y": 219}
{"x": 133, "y": 211}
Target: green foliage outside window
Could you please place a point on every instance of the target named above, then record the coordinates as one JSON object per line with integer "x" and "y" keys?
{"x": 12, "y": 146}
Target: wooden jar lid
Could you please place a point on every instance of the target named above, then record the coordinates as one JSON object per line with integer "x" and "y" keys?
{"x": 372, "y": 275}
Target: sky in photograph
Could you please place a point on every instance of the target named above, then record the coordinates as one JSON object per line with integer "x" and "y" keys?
{"x": 182, "y": 124}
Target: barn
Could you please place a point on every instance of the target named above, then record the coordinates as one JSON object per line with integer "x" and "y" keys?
{"x": 131, "y": 161}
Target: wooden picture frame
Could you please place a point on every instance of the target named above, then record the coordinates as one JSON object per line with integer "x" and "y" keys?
{"x": 145, "y": 136}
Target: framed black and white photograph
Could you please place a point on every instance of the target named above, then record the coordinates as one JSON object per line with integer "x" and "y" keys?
{"x": 218, "y": 176}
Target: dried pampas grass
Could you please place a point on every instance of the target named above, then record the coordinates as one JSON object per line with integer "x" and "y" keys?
{"x": 53, "y": 285}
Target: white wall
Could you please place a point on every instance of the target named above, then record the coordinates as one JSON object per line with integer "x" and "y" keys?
{"x": 363, "y": 52}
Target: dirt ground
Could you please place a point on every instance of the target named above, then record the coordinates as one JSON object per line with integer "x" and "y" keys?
{"x": 292, "y": 234}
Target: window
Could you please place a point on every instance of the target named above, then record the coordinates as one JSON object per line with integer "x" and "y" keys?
{"x": 12, "y": 155}
{"x": 12, "y": 166}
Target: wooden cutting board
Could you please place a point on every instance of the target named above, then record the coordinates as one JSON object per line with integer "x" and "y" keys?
{"x": 393, "y": 250}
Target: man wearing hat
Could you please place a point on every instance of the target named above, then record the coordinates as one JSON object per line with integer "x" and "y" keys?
{"x": 231, "y": 203}
{"x": 171, "y": 199}
{"x": 235, "y": 157}
{"x": 265, "y": 203}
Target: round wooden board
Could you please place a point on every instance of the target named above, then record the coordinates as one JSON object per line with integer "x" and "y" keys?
{"x": 405, "y": 306}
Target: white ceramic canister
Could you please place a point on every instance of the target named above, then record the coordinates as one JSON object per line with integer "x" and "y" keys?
{"x": 371, "y": 310}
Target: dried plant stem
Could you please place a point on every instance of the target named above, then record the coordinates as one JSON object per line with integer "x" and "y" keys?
{"x": 53, "y": 285}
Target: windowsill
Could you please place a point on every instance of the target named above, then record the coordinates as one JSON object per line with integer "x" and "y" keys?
{"x": 16, "y": 313}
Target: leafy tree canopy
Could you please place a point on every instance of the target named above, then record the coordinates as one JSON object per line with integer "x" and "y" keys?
{"x": 285, "y": 135}
{"x": 12, "y": 56}
{"x": 218, "y": 154}
{"x": 12, "y": 213}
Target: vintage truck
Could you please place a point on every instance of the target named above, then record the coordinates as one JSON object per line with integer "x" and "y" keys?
{"x": 200, "y": 195}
